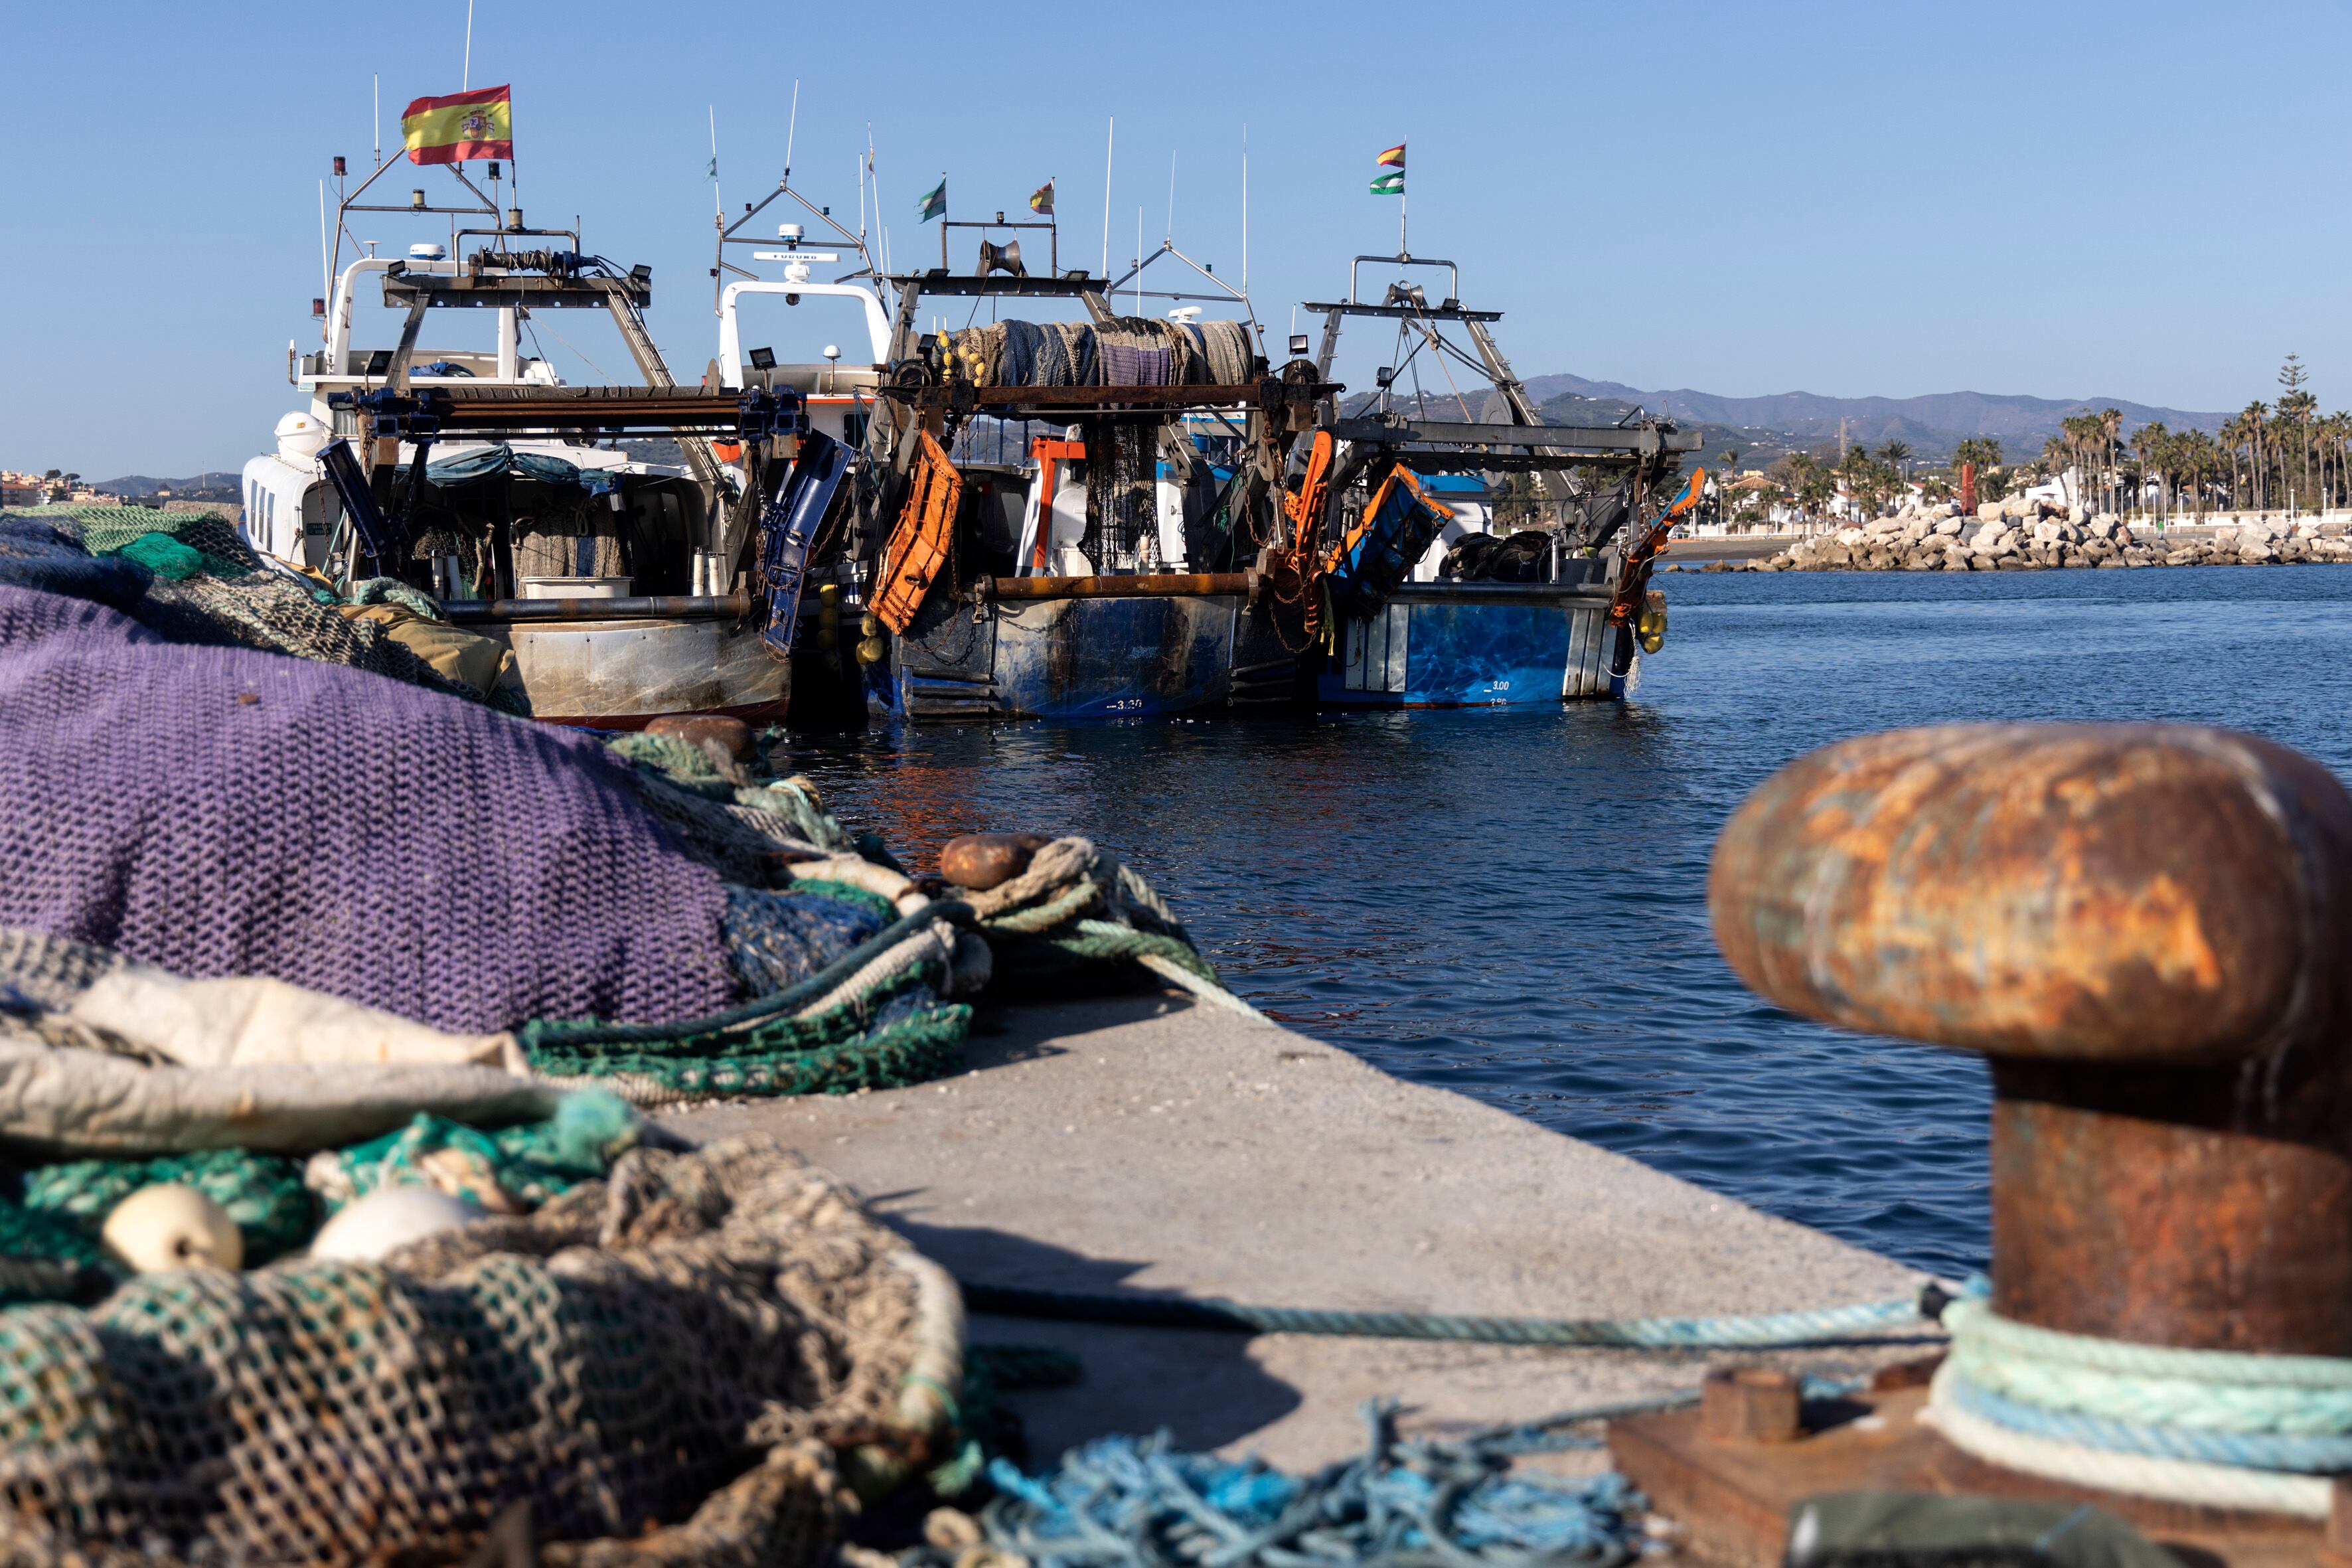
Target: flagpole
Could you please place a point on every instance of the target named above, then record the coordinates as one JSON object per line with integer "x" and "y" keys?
{"x": 717, "y": 207}
{"x": 1111, "y": 139}
{"x": 465, "y": 77}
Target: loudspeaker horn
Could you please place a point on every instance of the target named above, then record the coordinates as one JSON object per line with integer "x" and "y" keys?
{"x": 1005, "y": 258}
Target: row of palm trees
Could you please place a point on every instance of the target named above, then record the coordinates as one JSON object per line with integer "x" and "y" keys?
{"x": 2267, "y": 456}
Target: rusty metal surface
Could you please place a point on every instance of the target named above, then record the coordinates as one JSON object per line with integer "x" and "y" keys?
{"x": 2143, "y": 927}
{"x": 1749, "y": 1404}
{"x": 1735, "y": 1498}
{"x": 2168, "y": 1231}
{"x": 2108, "y": 892}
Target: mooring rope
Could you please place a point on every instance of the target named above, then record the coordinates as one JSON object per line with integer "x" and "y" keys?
{"x": 1758, "y": 1331}
{"x": 2219, "y": 1429}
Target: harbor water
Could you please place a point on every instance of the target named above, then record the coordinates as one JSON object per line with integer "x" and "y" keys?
{"x": 1511, "y": 904}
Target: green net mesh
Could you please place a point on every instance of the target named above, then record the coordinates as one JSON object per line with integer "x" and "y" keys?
{"x": 654, "y": 1366}
{"x": 264, "y": 1193}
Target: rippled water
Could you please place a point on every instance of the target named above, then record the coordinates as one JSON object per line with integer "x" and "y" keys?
{"x": 1511, "y": 904}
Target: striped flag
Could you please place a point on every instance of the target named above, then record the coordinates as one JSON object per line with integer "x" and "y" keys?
{"x": 1392, "y": 159}
{"x": 934, "y": 204}
{"x": 1041, "y": 200}
{"x": 477, "y": 124}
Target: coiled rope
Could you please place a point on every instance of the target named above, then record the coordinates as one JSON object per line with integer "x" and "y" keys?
{"x": 2220, "y": 1428}
{"x": 1760, "y": 1330}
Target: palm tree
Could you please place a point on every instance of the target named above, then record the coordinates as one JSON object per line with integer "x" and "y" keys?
{"x": 2299, "y": 408}
{"x": 2199, "y": 459}
{"x": 2151, "y": 444}
{"x": 2110, "y": 431}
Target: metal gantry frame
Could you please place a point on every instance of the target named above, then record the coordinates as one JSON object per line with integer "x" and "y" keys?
{"x": 728, "y": 235}
{"x": 1471, "y": 444}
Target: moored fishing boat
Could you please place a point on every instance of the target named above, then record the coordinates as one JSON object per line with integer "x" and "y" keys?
{"x": 1550, "y": 612}
{"x": 476, "y": 475}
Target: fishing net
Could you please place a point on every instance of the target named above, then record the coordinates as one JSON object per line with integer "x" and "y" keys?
{"x": 1122, "y": 505}
{"x": 219, "y": 811}
{"x": 207, "y": 586}
{"x": 654, "y": 1367}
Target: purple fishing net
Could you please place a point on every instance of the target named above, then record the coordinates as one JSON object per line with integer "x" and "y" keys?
{"x": 223, "y": 811}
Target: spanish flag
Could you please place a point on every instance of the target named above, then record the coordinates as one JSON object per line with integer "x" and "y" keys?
{"x": 1041, "y": 200}
{"x": 477, "y": 124}
{"x": 1392, "y": 159}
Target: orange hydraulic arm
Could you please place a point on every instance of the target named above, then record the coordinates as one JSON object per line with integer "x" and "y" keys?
{"x": 1643, "y": 552}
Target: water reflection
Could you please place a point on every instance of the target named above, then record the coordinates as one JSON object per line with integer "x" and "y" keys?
{"x": 1512, "y": 904}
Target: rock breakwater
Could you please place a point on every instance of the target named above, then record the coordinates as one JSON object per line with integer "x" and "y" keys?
{"x": 2025, "y": 536}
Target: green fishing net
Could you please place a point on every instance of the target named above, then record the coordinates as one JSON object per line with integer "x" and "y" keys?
{"x": 530, "y": 1162}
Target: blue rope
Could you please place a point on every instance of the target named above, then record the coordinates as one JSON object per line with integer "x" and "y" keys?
{"x": 1120, "y": 1503}
{"x": 2253, "y": 1450}
{"x": 1760, "y": 1330}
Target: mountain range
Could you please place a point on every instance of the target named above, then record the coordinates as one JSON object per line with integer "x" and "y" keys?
{"x": 1785, "y": 421}
{"x": 1759, "y": 428}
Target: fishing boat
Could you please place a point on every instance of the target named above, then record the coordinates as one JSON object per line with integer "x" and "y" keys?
{"x": 1048, "y": 527}
{"x": 1130, "y": 516}
{"x": 1487, "y": 615}
{"x": 476, "y": 475}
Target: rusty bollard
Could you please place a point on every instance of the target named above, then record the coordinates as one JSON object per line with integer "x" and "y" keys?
{"x": 2143, "y": 927}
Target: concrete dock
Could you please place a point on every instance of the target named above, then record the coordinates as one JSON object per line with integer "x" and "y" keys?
{"x": 1150, "y": 1144}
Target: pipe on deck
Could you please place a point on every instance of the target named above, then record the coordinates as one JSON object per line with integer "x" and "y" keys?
{"x": 1153, "y": 586}
{"x": 644, "y": 607}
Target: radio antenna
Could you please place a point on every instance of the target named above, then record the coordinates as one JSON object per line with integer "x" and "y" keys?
{"x": 466, "y": 78}
{"x": 1110, "y": 142}
{"x": 791, "y": 126}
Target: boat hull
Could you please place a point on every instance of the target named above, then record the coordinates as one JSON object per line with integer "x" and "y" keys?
{"x": 618, "y": 674}
{"x": 1434, "y": 646}
{"x": 1476, "y": 645}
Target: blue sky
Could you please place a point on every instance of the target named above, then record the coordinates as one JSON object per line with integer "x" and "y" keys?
{"x": 2143, "y": 202}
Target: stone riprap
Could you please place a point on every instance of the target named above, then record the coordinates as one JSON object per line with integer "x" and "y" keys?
{"x": 2022, "y": 536}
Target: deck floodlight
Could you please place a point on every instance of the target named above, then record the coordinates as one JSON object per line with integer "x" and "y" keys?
{"x": 763, "y": 359}
{"x": 317, "y": 308}
{"x": 416, "y": 201}
{"x": 1385, "y": 375}
{"x": 1299, "y": 345}
{"x": 494, "y": 168}
{"x": 641, "y": 274}
{"x": 338, "y": 165}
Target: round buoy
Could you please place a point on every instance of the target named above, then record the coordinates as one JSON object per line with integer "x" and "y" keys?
{"x": 172, "y": 1226}
{"x": 388, "y": 1219}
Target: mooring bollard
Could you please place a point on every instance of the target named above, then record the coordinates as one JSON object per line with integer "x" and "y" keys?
{"x": 2143, "y": 927}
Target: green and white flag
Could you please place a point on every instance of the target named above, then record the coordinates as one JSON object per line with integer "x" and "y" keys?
{"x": 1391, "y": 183}
{"x": 934, "y": 205}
